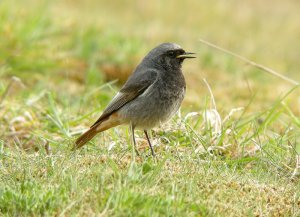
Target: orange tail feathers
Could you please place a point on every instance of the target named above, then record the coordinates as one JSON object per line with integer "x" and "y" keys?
{"x": 84, "y": 138}
{"x": 112, "y": 121}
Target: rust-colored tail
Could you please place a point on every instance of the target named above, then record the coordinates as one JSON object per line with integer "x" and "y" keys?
{"x": 84, "y": 138}
{"x": 112, "y": 121}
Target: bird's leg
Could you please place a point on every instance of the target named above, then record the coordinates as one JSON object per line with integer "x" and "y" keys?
{"x": 133, "y": 139}
{"x": 152, "y": 151}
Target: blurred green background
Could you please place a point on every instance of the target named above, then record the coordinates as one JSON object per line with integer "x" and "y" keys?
{"x": 89, "y": 42}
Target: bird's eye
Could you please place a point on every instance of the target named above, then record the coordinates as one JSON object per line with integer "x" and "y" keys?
{"x": 172, "y": 54}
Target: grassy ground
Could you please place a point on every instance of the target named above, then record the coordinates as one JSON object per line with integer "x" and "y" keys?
{"x": 62, "y": 61}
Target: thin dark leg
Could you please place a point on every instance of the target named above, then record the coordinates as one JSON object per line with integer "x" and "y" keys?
{"x": 152, "y": 151}
{"x": 133, "y": 139}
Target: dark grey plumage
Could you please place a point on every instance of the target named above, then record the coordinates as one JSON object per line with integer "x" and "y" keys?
{"x": 151, "y": 95}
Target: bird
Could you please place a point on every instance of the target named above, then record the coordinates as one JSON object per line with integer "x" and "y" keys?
{"x": 152, "y": 94}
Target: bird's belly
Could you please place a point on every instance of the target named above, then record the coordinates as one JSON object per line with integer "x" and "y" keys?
{"x": 152, "y": 108}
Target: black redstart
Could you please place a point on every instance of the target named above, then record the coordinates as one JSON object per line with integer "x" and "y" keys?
{"x": 151, "y": 95}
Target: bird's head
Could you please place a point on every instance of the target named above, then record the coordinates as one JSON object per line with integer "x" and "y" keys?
{"x": 168, "y": 55}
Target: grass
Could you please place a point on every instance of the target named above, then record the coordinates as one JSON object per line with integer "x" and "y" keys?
{"x": 60, "y": 64}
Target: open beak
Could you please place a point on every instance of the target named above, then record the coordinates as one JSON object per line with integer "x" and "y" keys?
{"x": 185, "y": 55}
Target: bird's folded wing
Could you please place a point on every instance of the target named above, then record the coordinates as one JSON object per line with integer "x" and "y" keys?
{"x": 134, "y": 87}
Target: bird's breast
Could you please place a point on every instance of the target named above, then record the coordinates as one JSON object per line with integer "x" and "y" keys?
{"x": 156, "y": 105}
